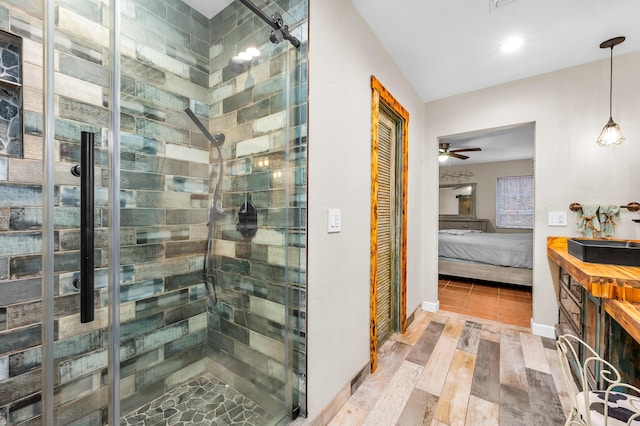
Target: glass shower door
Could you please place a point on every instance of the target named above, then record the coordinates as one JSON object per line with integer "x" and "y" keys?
{"x": 52, "y": 365}
{"x": 178, "y": 308}
{"x": 206, "y": 185}
{"x": 77, "y": 46}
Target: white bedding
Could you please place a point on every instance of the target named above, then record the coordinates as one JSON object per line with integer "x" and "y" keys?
{"x": 514, "y": 250}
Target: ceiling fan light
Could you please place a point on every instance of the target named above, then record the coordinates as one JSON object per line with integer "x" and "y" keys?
{"x": 443, "y": 157}
{"x": 611, "y": 134}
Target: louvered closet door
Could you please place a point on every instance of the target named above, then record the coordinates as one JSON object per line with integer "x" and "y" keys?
{"x": 386, "y": 185}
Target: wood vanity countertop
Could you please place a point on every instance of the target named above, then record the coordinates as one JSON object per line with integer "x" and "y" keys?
{"x": 618, "y": 285}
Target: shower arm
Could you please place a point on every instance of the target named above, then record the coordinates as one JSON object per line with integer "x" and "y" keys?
{"x": 274, "y": 22}
{"x": 216, "y": 141}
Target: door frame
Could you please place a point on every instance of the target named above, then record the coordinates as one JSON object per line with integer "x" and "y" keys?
{"x": 381, "y": 98}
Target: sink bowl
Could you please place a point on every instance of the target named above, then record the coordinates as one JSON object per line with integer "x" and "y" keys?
{"x": 626, "y": 253}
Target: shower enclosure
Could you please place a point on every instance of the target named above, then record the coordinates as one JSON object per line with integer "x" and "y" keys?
{"x": 152, "y": 212}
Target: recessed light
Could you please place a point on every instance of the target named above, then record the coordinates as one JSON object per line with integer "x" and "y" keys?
{"x": 511, "y": 45}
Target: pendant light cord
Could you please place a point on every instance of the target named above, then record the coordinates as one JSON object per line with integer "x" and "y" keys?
{"x": 610, "y": 81}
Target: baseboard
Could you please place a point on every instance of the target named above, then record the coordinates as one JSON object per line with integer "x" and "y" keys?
{"x": 431, "y": 307}
{"x": 341, "y": 398}
{"x": 543, "y": 330}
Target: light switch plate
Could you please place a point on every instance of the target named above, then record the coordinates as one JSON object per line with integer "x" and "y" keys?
{"x": 334, "y": 221}
{"x": 558, "y": 218}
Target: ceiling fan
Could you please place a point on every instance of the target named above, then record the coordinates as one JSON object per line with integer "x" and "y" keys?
{"x": 445, "y": 152}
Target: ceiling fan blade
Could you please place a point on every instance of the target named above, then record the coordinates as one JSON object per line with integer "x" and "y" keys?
{"x": 460, "y": 156}
{"x": 466, "y": 149}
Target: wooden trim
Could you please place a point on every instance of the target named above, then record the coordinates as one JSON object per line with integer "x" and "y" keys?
{"x": 373, "y": 271}
{"x": 380, "y": 94}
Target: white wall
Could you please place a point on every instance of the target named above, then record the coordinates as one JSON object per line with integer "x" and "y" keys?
{"x": 485, "y": 176}
{"x": 342, "y": 57}
{"x": 569, "y": 108}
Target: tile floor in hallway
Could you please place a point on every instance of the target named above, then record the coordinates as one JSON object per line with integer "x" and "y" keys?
{"x": 454, "y": 369}
{"x": 508, "y": 304}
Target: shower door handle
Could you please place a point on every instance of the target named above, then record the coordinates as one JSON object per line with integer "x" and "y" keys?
{"x": 85, "y": 170}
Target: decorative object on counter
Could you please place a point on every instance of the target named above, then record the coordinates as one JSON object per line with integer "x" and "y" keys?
{"x": 603, "y": 401}
{"x": 456, "y": 176}
{"x": 611, "y": 134}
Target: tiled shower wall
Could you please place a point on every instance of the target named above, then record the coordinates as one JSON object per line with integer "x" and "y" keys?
{"x": 165, "y": 187}
{"x": 21, "y": 231}
{"x": 265, "y": 163}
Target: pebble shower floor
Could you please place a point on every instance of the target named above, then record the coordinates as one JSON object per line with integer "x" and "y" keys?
{"x": 202, "y": 401}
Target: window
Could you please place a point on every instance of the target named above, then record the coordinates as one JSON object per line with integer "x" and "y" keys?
{"x": 514, "y": 202}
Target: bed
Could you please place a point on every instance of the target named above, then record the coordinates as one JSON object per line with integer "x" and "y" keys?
{"x": 499, "y": 257}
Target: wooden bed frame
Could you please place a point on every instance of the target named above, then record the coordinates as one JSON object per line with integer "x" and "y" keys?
{"x": 480, "y": 271}
{"x": 485, "y": 272}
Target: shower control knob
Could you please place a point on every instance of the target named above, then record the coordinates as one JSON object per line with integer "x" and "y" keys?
{"x": 247, "y": 220}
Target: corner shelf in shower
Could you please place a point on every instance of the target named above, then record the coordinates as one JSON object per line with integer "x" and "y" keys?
{"x": 11, "y": 96}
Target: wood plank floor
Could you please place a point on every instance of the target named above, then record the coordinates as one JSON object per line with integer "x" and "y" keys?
{"x": 454, "y": 369}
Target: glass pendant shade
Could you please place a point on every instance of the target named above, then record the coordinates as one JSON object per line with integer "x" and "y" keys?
{"x": 611, "y": 134}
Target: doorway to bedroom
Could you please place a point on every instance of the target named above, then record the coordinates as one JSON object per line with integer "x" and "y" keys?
{"x": 486, "y": 221}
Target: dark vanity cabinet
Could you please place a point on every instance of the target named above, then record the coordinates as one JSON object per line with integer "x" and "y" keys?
{"x": 623, "y": 351}
{"x": 580, "y": 314}
{"x": 609, "y": 324}
{"x": 570, "y": 305}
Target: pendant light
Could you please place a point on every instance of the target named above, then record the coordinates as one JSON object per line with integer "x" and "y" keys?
{"x": 611, "y": 134}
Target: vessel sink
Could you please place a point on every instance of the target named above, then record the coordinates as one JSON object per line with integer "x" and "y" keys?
{"x": 611, "y": 252}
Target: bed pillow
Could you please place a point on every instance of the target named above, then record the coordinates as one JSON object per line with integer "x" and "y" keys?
{"x": 459, "y": 231}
